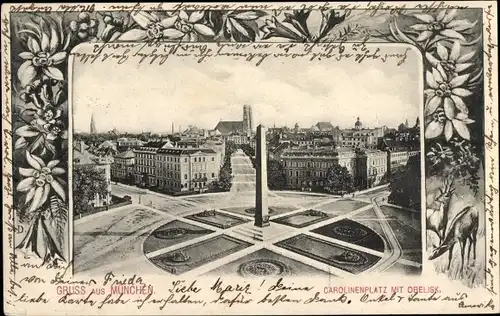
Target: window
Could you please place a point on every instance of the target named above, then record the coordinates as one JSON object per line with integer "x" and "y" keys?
{"x": 213, "y": 175}
{"x": 185, "y": 177}
{"x": 213, "y": 159}
{"x": 185, "y": 160}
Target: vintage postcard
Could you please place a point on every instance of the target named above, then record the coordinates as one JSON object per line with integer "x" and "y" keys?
{"x": 250, "y": 158}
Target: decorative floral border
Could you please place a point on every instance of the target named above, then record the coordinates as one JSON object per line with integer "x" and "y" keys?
{"x": 450, "y": 41}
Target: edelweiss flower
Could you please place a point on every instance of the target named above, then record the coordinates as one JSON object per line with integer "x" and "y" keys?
{"x": 303, "y": 25}
{"x": 39, "y": 92}
{"x": 39, "y": 181}
{"x": 84, "y": 27}
{"x": 442, "y": 90}
{"x": 442, "y": 24}
{"x": 441, "y": 123}
{"x": 439, "y": 153}
{"x": 451, "y": 61}
{"x": 188, "y": 27}
{"x": 47, "y": 116}
{"x": 42, "y": 57}
{"x": 153, "y": 28}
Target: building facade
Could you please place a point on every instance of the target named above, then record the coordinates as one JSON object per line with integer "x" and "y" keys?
{"x": 371, "y": 168}
{"x": 308, "y": 167}
{"x": 145, "y": 163}
{"x": 123, "y": 166}
{"x": 185, "y": 169}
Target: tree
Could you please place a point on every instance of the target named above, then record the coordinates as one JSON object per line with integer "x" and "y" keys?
{"x": 405, "y": 185}
{"x": 339, "y": 179}
{"x": 87, "y": 182}
{"x": 275, "y": 175}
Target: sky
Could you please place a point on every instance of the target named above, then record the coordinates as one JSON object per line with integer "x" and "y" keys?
{"x": 134, "y": 98}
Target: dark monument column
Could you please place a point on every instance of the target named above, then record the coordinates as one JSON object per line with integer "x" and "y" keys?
{"x": 261, "y": 207}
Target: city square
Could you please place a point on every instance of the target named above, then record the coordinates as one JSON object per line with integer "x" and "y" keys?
{"x": 214, "y": 233}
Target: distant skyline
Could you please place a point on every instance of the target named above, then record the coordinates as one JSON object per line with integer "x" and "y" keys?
{"x": 135, "y": 98}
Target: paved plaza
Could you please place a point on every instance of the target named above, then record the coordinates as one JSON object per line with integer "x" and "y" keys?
{"x": 214, "y": 233}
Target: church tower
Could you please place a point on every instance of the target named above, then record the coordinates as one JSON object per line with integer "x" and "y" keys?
{"x": 247, "y": 120}
{"x": 93, "y": 129}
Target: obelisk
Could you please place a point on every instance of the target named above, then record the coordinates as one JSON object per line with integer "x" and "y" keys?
{"x": 261, "y": 206}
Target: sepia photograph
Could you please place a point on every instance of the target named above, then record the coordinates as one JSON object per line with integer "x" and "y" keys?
{"x": 222, "y": 167}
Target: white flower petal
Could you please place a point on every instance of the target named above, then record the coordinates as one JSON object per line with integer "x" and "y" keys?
{"x": 459, "y": 80}
{"x": 26, "y": 73}
{"x": 423, "y": 36}
{"x": 172, "y": 33}
{"x": 466, "y": 57}
{"x": 430, "y": 92}
{"x": 433, "y": 104}
{"x": 26, "y": 172}
{"x": 448, "y": 130}
{"x": 29, "y": 195}
{"x": 51, "y": 164}
{"x": 462, "y": 129}
{"x": 45, "y": 42}
{"x": 431, "y": 81}
{"x": 26, "y": 55}
{"x": 449, "y": 108}
{"x": 431, "y": 59}
{"x": 461, "y": 92}
{"x": 452, "y": 34}
{"x": 440, "y": 15}
{"x": 461, "y": 25}
{"x": 37, "y": 197}
{"x": 438, "y": 75}
{"x": 419, "y": 27}
{"x": 183, "y": 15}
{"x": 455, "y": 51}
{"x": 27, "y": 131}
{"x": 434, "y": 129}
{"x": 462, "y": 67}
{"x": 45, "y": 195}
{"x": 25, "y": 184}
{"x": 459, "y": 104}
{"x": 133, "y": 35}
{"x": 169, "y": 22}
{"x": 34, "y": 161}
{"x": 442, "y": 52}
{"x": 143, "y": 18}
{"x": 58, "y": 58}
{"x": 59, "y": 189}
{"x": 196, "y": 16}
{"x": 203, "y": 29}
{"x": 54, "y": 40}
{"x": 58, "y": 171}
{"x": 53, "y": 73}
{"x": 425, "y": 18}
{"x": 449, "y": 16}
{"x": 33, "y": 45}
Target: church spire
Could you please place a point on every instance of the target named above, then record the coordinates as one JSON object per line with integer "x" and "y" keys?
{"x": 93, "y": 129}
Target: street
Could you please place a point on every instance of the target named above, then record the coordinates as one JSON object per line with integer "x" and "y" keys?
{"x": 118, "y": 235}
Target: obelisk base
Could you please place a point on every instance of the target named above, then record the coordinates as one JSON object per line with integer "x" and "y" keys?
{"x": 262, "y": 233}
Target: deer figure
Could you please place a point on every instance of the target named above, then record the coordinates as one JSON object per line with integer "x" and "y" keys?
{"x": 462, "y": 228}
{"x": 437, "y": 219}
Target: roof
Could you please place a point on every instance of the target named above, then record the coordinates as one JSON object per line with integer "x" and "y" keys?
{"x": 226, "y": 127}
{"x": 154, "y": 144}
{"x": 184, "y": 151}
{"x": 324, "y": 126}
{"x": 126, "y": 154}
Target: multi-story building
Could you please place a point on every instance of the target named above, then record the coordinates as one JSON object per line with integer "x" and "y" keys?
{"x": 83, "y": 158}
{"x": 185, "y": 169}
{"x": 145, "y": 163}
{"x": 124, "y": 143}
{"x": 371, "y": 168}
{"x": 308, "y": 167}
{"x": 123, "y": 166}
{"x": 358, "y": 137}
{"x": 217, "y": 145}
